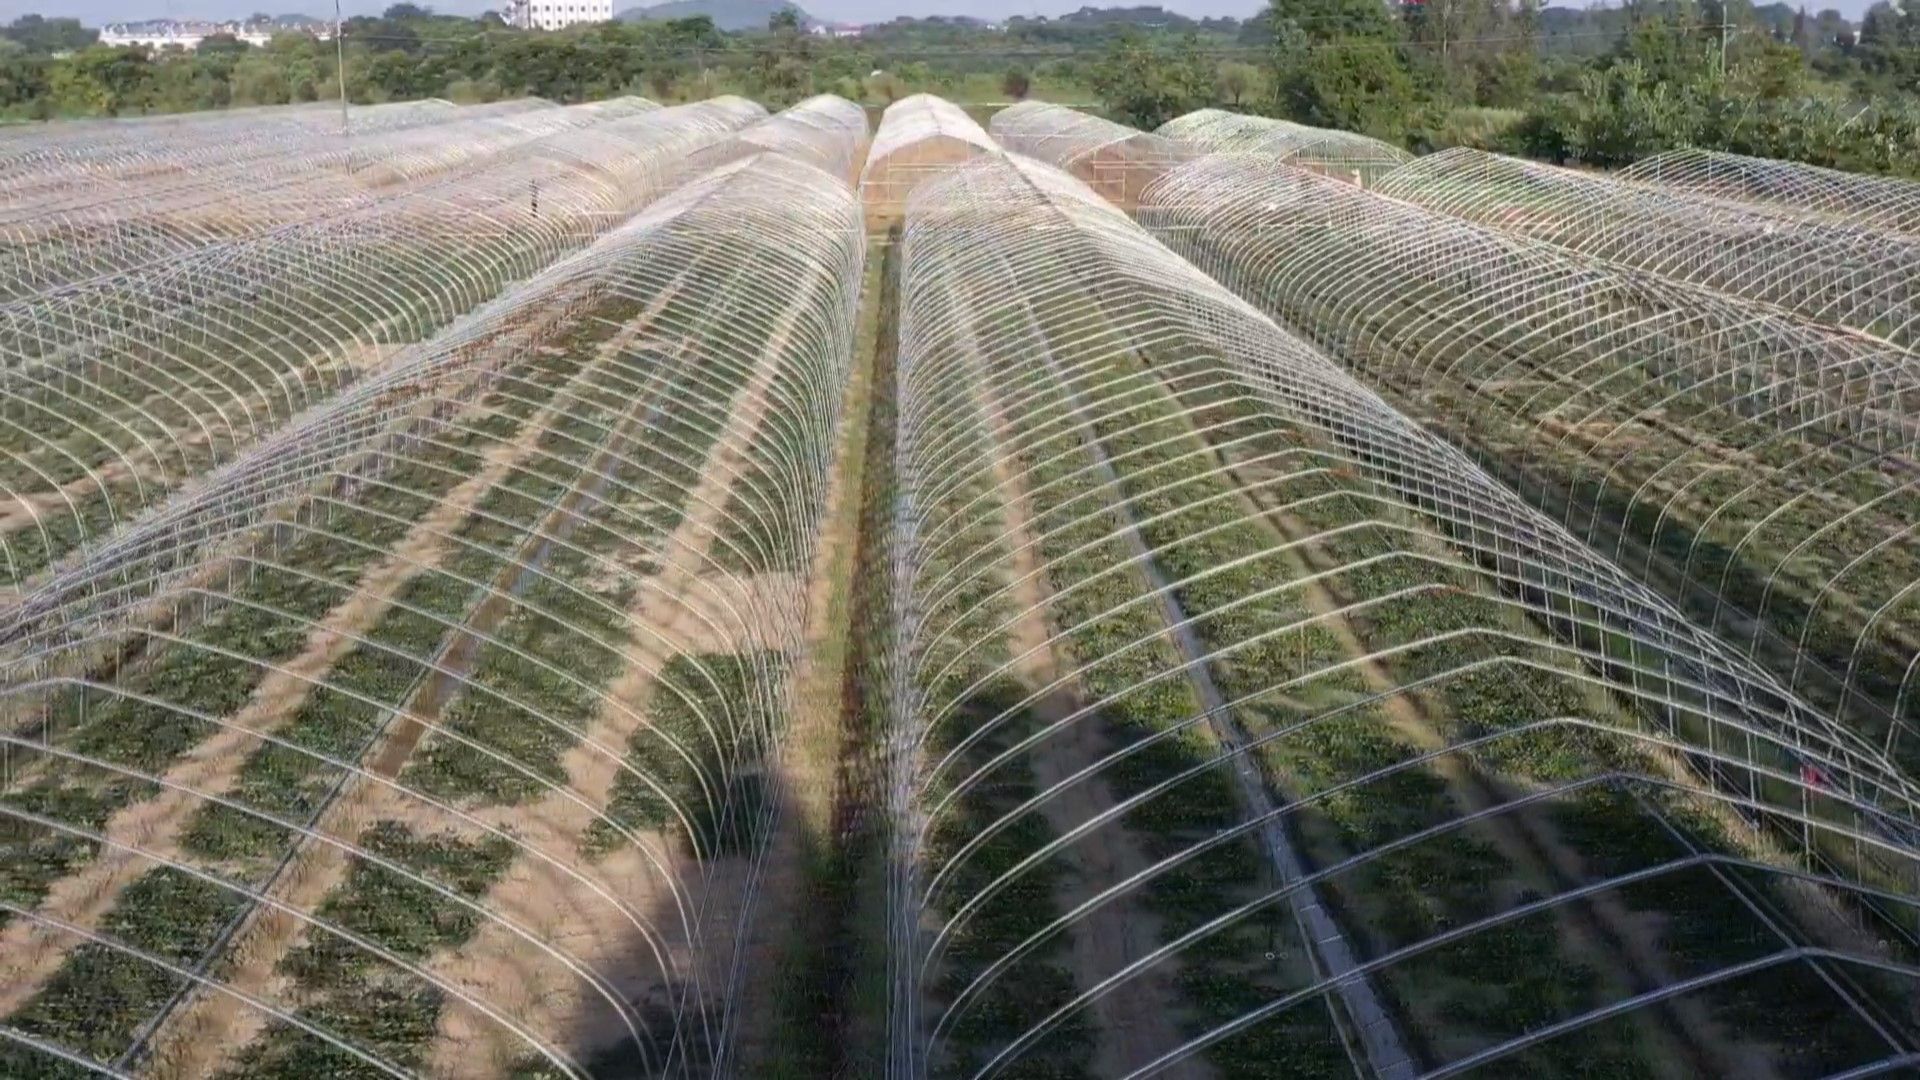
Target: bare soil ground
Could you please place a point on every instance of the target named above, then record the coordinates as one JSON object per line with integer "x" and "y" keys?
{"x": 205, "y": 1034}
{"x": 688, "y": 610}
{"x": 21, "y": 511}
{"x": 1137, "y": 1021}
{"x": 1599, "y": 930}
{"x": 808, "y": 760}
{"x": 31, "y": 952}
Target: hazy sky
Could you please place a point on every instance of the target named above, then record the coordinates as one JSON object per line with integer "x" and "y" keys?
{"x": 95, "y": 12}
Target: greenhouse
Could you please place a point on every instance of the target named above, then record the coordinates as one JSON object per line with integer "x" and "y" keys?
{"x": 1188, "y": 611}
{"x": 78, "y": 231}
{"x": 1342, "y": 155}
{"x": 825, "y": 131}
{"x": 1730, "y": 453}
{"x": 920, "y": 137}
{"x": 428, "y": 579}
{"x": 1116, "y": 161}
{"x": 120, "y": 386}
{"x": 1884, "y": 202}
{"x": 1865, "y": 279}
{"x": 565, "y": 592}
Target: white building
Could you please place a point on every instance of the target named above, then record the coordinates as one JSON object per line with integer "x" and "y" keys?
{"x": 183, "y": 35}
{"x": 554, "y": 14}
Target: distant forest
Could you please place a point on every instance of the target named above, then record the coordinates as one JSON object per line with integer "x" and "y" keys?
{"x": 1602, "y": 86}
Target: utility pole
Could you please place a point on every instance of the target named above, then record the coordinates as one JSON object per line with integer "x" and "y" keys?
{"x": 340, "y": 64}
{"x": 1723, "y": 37}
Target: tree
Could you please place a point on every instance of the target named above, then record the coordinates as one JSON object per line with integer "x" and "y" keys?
{"x": 1146, "y": 84}
{"x": 42, "y": 35}
{"x": 661, "y": 80}
{"x": 886, "y": 86}
{"x": 102, "y": 80}
{"x": 1770, "y": 70}
{"x": 1016, "y": 84}
{"x": 1511, "y": 76}
{"x": 23, "y": 79}
{"x": 1236, "y": 81}
{"x": 1354, "y": 85}
{"x": 1672, "y": 46}
{"x": 381, "y": 34}
{"x": 1338, "y": 63}
{"x": 1890, "y": 47}
{"x": 221, "y": 50}
{"x": 1832, "y": 28}
{"x": 783, "y": 64}
{"x": 259, "y": 80}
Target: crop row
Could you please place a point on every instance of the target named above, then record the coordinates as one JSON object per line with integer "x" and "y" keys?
{"x": 61, "y": 231}
{"x": 952, "y": 528}
{"x": 1315, "y": 571}
{"x": 1749, "y": 466}
{"x": 1132, "y": 717}
{"x": 338, "y": 717}
{"x": 488, "y": 578}
{"x": 124, "y": 386}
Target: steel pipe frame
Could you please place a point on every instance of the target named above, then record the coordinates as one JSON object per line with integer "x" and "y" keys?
{"x": 1881, "y": 202}
{"x": 80, "y": 234}
{"x": 1118, "y": 161}
{"x": 1435, "y": 303}
{"x": 1001, "y": 208}
{"x": 910, "y": 122}
{"x": 1862, "y": 279}
{"x": 775, "y": 222}
{"x": 281, "y": 303}
{"x": 97, "y": 155}
{"x": 1343, "y": 155}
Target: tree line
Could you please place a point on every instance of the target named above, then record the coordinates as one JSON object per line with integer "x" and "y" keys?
{"x": 1602, "y": 85}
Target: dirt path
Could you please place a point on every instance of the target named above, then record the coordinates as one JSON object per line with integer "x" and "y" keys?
{"x": 808, "y": 760}
{"x": 1601, "y": 930}
{"x": 691, "y": 612}
{"x": 21, "y": 511}
{"x": 1138, "y": 1019}
{"x": 31, "y": 951}
{"x": 207, "y": 1031}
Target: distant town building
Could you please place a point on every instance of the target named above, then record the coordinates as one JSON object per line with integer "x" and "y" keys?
{"x": 838, "y": 30}
{"x": 189, "y": 33}
{"x": 554, "y": 14}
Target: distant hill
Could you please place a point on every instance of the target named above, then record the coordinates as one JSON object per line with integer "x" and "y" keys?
{"x": 726, "y": 14}
{"x": 1153, "y": 16}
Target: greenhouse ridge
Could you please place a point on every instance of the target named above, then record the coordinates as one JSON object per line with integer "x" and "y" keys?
{"x": 637, "y": 590}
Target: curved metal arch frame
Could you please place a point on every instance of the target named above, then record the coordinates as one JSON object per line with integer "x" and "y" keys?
{"x": 1527, "y": 311}
{"x": 1847, "y": 277}
{"x": 477, "y": 228}
{"x": 970, "y": 213}
{"x": 1851, "y": 198}
{"x": 797, "y": 350}
{"x": 1344, "y": 155}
